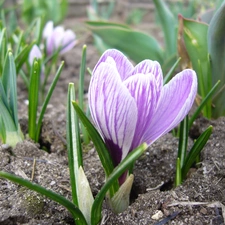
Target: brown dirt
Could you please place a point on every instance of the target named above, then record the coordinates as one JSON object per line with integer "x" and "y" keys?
{"x": 199, "y": 200}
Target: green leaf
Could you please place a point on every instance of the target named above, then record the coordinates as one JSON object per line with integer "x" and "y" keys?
{"x": 10, "y": 87}
{"x": 137, "y": 45}
{"x": 99, "y": 145}
{"x": 81, "y": 90}
{"x": 203, "y": 102}
{"x": 183, "y": 140}
{"x": 169, "y": 24}
{"x": 76, "y": 213}
{"x": 170, "y": 72}
{"x": 195, "y": 38}
{"x": 178, "y": 179}
{"x": 22, "y": 56}
{"x": 33, "y": 98}
{"x": 195, "y": 150}
{"x": 47, "y": 99}
{"x": 216, "y": 46}
{"x": 73, "y": 143}
{"x": 117, "y": 172}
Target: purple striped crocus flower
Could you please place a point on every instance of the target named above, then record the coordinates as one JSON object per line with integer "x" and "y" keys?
{"x": 58, "y": 38}
{"x": 130, "y": 105}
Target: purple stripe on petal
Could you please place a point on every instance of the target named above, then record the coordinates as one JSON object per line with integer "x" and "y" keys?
{"x": 113, "y": 110}
{"x": 153, "y": 67}
{"x": 123, "y": 65}
{"x": 143, "y": 90}
{"x": 174, "y": 104}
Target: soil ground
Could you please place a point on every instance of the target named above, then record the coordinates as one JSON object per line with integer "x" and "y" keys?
{"x": 154, "y": 200}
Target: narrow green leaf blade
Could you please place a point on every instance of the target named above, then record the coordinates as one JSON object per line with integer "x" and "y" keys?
{"x": 117, "y": 172}
{"x": 22, "y": 56}
{"x": 195, "y": 150}
{"x": 33, "y": 98}
{"x": 183, "y": 140}
{"x": 99, "y": 145}
{"x": 178, "y": 178}
{"x": 73, "y": 143}
{"x": 204, "y": 101}
{"x": 81, "y": 90}
{"x": 76, "y": 213}
{"x": 47, "y": 99}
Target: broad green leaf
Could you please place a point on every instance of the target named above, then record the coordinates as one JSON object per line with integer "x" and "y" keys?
{"x": 195, "y": 38}
{"x": 216, "y": 46}
{"x": 136, "y": 45}
{"x": 169, "y": 25}
{"x": 73, "y": 209}
{"x": 195, "y": 150}
{"x": 117, "y": 172}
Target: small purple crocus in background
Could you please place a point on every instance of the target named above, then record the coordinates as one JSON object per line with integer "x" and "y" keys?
{"x": 58, "y": 38}
{"x": 35, "y": 52}
{"x": 129, "y": 105}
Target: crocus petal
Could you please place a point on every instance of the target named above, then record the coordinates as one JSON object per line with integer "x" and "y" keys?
{"x": 113, "y": 110}
{"x": 153, "y": 67}
{"x": 68, "y": 42}
{"x": 34, "y": 53}
{"x": 143, "y": 89}
{"x": 174, "y": 104}
{"x": 48, "y": 29}
{"x": 123, "y": 65}
{"x": 58, "y": 35}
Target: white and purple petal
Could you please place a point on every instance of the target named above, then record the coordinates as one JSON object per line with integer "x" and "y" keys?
{"x": 142, "y": 88}
{"x": 123, "y": 65}
{"x": 153, "y": 67}
{"x": 113, "y": 110}
{"x": 34, "y": 53}
{"x": 68, "y": 42}
{"x": 174, "y": 104}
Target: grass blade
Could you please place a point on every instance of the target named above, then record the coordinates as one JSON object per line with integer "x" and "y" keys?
{"x": 76, "y": 213}
{"x": 73, "y": 142}
{"x": 204, "y": 101}
{"x": 47, "y": 99}
{"x": 99, "y": 145}
{"x": 178, "y": 178}
{"x": 81, "y": 91}
{"x": 183, "y": 138}
{"x": 195, "y": 150}
{"x": 33, "y": 99}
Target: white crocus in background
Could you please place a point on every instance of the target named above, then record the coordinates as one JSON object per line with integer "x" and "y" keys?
{"x": 34, "y": 53}
{"x": 58, "y": 38}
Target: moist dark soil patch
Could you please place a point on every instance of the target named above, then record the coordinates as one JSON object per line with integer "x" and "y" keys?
{"x": 199, "y": 200}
